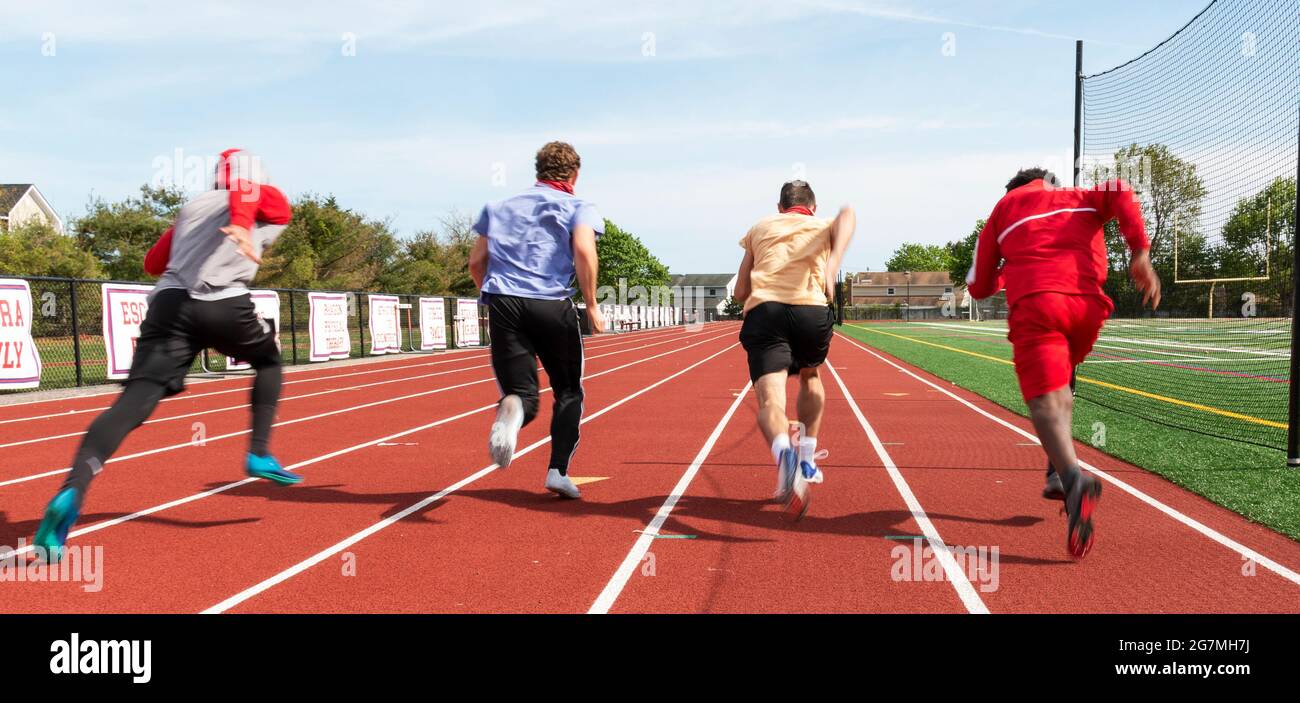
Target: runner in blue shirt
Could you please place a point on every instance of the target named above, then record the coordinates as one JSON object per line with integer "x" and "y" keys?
{"x": 529, "y": 251}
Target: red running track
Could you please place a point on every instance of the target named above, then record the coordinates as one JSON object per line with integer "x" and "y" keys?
{"x": 402, "y": 511}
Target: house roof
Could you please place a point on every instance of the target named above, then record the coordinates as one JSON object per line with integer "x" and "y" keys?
{"x": 899, "y": 278}
{"x": 713, "y": 280}
{"x": 10, "y": 194}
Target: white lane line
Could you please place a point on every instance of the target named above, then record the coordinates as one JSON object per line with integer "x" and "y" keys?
{"x": 618, "y": 581}
{"x": 342, "y": 389}
{"x": 956, "y": 576}
{"x": 208, "y": 440}
{"x": 381, "y": 367}
{"x": 328, "y": 552}
{"x": 1212, "y": 534}
{"x": 181, "y": 501}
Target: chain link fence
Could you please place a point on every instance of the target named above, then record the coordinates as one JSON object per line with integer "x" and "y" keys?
{"x": 68, "y": 328}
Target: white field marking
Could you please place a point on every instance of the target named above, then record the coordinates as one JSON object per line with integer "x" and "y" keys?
{"x": 1283, "y": 354}
{"x": 381, "y": 367}
{"x": 614, "y": 587}
{"x": 1210, "y": 533}
{"x": 225, "y": 487}
{"x": 328, "y": 552}
{"x": 1197, "y": 359}
{"x": 182, "y": 445}
{"x": 962, "y": 585}
{"x": 342, "y": 389}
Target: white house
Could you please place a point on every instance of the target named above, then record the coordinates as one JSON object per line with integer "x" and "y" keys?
{"x": 23, "y": 202}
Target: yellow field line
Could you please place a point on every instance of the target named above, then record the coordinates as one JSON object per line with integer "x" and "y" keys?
{"x": 1095, "y": 382}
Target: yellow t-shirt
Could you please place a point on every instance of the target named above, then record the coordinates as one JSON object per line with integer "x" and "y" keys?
{"x": 790, "y": 254}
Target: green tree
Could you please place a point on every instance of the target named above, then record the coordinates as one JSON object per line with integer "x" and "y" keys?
{"x": 330, "y": 247}
{"x": 435, "y": 261}
{"x": 1259, "y": 237}
{"x": 119, "y": 234}
{"x": 919, "y": 257}
{"x": 623, "y": 256}
{"x": 1171, "y": 195}
{"x": 961, "y": 253}
{"x": 37, "y": 249}
{"x": 732, "y": 308}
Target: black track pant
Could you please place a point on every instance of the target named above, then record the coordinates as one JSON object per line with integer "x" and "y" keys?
{"x": 524, "y": 330}
{"x": 175, "y": 330}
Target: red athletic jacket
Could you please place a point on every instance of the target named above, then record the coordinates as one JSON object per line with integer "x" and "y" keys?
{"x": 1042, "y": 239}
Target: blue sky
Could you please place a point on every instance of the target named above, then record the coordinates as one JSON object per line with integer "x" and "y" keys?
{"x": 688, "y": 115}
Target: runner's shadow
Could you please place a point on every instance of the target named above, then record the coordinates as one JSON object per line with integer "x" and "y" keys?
{"x": 761, "y": 514}
{"x": 11, "y": 532}
{"x": 332, "y": 493}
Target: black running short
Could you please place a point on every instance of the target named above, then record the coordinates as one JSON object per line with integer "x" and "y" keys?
{"x": 780, "y": 337}
{"x": 178, "y": 328}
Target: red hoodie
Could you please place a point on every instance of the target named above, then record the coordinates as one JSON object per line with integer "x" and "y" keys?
{"x": 270, "y": 206}
{"x": 1042, "y": 239}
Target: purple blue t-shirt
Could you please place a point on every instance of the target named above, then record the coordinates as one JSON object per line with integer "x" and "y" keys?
{"x": 530, "y": 248}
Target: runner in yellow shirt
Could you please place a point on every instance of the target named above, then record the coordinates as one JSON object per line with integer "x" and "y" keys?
{"x": 787, "y": 286}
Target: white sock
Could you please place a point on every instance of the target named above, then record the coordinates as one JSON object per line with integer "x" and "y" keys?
{"x": 780, "y": 444}
{"x": 807, "y": 448}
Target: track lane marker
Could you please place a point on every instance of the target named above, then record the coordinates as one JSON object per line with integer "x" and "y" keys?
{"x": 283, "y": 423}
{"x": 1214, "y": 535}
{"x": 619, "y": 580}
{"x": 204, "y": 494}
{"x": 328, "y": 552}
{"x": 956, "y": 576}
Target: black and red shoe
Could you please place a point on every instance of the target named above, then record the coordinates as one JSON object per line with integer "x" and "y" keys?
{"x": 1080, "y": 504}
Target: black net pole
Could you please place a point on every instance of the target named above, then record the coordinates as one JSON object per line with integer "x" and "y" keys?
{"x": 1293, "y": 409}
{"x": 1078, "y": 109}
{"x": 76, "y": 331}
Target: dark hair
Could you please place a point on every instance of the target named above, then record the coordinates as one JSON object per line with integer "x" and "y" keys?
{"x": 557, "y": 161}
{"x": 795, "y": 193}
{"x": 1029, "y": 175}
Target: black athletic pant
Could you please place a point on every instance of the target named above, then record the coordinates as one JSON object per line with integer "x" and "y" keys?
{"x": 175, "y": 330}
{"x": 525, "y": 330}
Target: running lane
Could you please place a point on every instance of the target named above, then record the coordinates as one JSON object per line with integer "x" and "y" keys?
{"x": 980, "y": 481}
{"x": 185, "y": 557}
{"x": 847, "y": 554}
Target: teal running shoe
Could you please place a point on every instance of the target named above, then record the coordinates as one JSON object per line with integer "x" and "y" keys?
{"x": 60, "y": 515}
{"x": 268, "y": 468}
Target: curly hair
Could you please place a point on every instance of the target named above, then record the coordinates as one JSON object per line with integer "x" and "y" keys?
{"x": 557, "y": 161}
{"x": 1029, "y": 175}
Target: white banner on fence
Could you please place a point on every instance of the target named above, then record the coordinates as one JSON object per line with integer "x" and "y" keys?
{"x": 328, "y": 326}
{"x": 467, "y": 334}
{"x": 267, "y": 305}
{"x": 433, "y": 324}
{"x": 124, "y": 308}
{"x": 20, "y": 362}
{"x": 385, "y": 325}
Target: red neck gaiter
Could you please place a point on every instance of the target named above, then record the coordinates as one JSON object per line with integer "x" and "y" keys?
{"x": 797, "y": 210}
{"x": 558, "y": 185}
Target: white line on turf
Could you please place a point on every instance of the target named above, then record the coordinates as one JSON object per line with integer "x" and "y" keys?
{"x": 188, "y": 499}
{"x": 965, "y": 591}
{"x": 328, "y": 552}
{"x": 1210, "y": 533}
{"x": 619, "y": 580}
{"x": 228, "y": 435}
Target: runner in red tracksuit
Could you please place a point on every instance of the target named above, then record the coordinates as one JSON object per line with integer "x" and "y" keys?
{"x": 1045, "y": 245}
